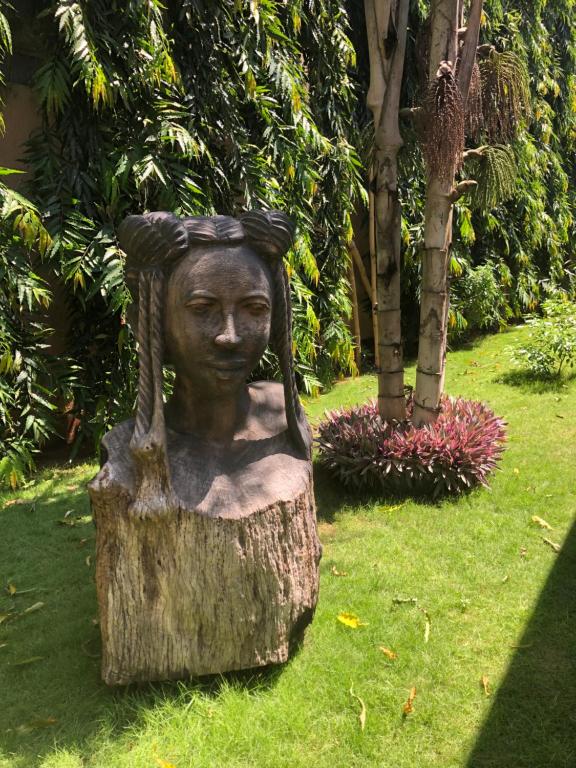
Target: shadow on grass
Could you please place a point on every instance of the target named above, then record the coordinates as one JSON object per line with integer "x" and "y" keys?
{"x": 527, "y": 382}
{"x": 332, "y": 496}
{"x": 532, "y": 722}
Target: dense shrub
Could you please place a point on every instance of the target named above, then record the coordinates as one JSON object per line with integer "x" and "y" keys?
{"x": 551, "y": 344}
{"x": 451, "y": 456}
{"x": 478, "y": 301}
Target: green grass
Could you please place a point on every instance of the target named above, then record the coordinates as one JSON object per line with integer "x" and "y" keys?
{"x": 501, "y": 603}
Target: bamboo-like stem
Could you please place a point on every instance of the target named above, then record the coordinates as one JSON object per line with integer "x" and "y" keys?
{"x": 355, "y": 318}
{"x": 357, "y": 258}
{"x": 373, "y": 270}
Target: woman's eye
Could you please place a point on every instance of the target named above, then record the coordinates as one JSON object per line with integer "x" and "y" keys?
{"x": 257, "y": 307}
{"x": 199, "y": 307}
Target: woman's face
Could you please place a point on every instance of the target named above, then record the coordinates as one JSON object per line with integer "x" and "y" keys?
{"x": 217, "y": 318}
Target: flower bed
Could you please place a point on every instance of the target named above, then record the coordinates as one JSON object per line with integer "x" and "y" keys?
{"x": 451, "y": 456}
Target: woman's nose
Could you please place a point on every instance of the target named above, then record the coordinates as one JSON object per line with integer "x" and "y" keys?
{"x": 228, "y": 336}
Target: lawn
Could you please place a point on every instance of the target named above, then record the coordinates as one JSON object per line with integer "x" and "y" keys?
{"x": 460, "y": 591}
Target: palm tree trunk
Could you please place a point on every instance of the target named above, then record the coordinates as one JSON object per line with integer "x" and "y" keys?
{"x": 440, "y": 198}
{"x": 386, "y": 68}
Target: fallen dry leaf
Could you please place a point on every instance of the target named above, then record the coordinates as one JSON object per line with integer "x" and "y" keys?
{"x": 336, "y": 572}
{"x": 523, "y": 552}
{"x": 11, "y": 589}
{"x": 404, "y": 601}
{"x": 505, "y": 579}
{"x": 362, "y": 713}
{"x": 164, "y": 763}
{"x": 350, "y": 620}
{"x": 542, "y": 523}
{"x": 32, "y": 608}
{"x": 408, "y": 707}
{"x": 485, "y": 683}
{"x": 88, "y": 561}
{"x": 427, "y": 629}
{"x": 11, "y": 502}
{"x": 7, "y": 615}
{"x": 72, "y": 487}
{"x": 30, "y": 660}
{"x": 33, "y": 725}
{"x": 516, "y": 471}
{"x": 556, "y": 547}
{"x": 388, "y": 653}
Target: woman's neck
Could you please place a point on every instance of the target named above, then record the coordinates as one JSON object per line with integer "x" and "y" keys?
{"x": 215, "y": 419}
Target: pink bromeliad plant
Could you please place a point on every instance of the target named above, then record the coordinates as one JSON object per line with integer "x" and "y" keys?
{"x": 451, "y": 456}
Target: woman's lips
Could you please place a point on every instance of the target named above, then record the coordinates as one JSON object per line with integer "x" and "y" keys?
{"x": 228, "y": 365}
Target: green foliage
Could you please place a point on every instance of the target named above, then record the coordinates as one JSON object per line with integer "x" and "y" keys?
{"x": 505, "y": 94}
{"x": 478, "y": 301}
{"x": 551, "y": 344}
{"x": 198, "y": 109}
{"x": 26, "y": 405}
{"x": 496, "y": 172}
{"x": 527, "y": 234}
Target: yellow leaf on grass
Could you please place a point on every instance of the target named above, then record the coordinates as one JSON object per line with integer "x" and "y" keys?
{"x": 11, "y": 589}
{"x": 350, "y": 620}
{"x": 164, "y": 763}
{"x": 336, "y": 572}
{"x": 516, "y": 471}
{"x": 362, "y": 713}
{"x": 408, "y": 708}
{"x": 542, "y": 523}
{"x": 11, "y": 502}
{"x": 388, "y": 653}
{"x": 552, "y": 544}
{"x": 485, "y": 683}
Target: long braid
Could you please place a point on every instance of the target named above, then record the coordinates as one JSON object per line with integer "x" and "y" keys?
{"x": 282, "y": 341}
{"x": 144, "y": 406}
{"x": 156, "y": 354}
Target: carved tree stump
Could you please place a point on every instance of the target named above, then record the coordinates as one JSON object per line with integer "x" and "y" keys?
{"x": 188, "y": 593}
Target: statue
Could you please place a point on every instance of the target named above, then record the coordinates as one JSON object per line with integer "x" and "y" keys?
{"x": 207, "y": 551}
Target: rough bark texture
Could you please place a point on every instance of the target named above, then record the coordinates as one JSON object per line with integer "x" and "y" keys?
{"x": 186, "y": 594}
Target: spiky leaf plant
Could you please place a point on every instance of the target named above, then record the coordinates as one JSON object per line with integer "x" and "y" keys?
{"x": 496, "y": 173}
{"x": 505, "y": 94}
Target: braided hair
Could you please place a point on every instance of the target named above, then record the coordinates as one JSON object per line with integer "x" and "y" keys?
{"x": 154, "y": 243}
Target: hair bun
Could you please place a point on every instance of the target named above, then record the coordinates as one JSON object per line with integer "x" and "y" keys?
{"x": 152, "y": 239}
{"x": 271, "y": 233}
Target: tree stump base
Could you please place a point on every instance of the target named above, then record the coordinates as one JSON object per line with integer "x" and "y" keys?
{"x": 186, "y": 593}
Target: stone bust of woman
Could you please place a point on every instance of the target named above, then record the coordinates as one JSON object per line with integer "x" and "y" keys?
{"x": 210, "y": 294}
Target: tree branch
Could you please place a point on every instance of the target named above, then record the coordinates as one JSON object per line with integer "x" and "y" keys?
{"x": 474, "y": 153}
{"x": 461, "y": 189}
